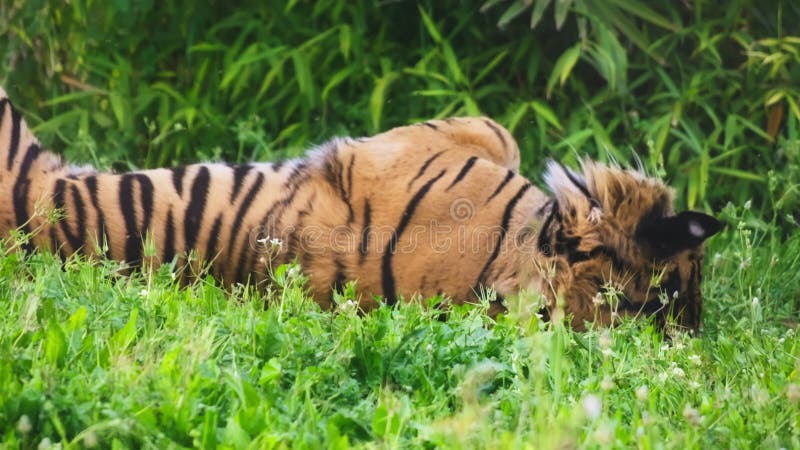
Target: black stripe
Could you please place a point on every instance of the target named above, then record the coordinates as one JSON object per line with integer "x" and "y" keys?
{"x": 13, "y": 146}
{"x": 463, "y": 172}
{"x": 340, "y": 278}
{"x": 581, "y": 185}
{"x": 497, "y": 132}
{"x": 503, "y": 184}
{"x": 274, "y": 214}
{"x": 132, "y": 240}
{"x": 134, "y": 234}
{"x": 292, "y": 239}
{"x": 387, "y": 276}
{"x": 102, "y": 236}
{"x": 80, "y": 210}
{"x": 194, "y": 211}
{"x": 350, "y": 186}
{"x": 58, "y": 194}
{"x": 169, "y": 239}
{"x": 20, "y": 190}
{"x": 430, "y": 125}
{"x": 673, "y": 282}
{"x": 243, "y": 209}
{"x": 74, "y": 237}
{"x": 345, "y": 193}
{"x": 277, "y": 166}
{"x": 213, "y": 238}
{"x": 363, "y": 249}
{"x": 177, "y": 178}
{"x": 239, "y": 173}
{"x": 545, "y": 234}
{"x": 335, "y": 175}
{"x": 333, "y": 167}
{"x": 424, "y": 167}
{"x": 503, "y": 231}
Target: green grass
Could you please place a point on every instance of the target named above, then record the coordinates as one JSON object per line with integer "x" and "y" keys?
{"x": 90, "y": 357}
{"x": 703, "y": 93}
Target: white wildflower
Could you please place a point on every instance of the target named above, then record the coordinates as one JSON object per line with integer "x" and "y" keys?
{"x": 759, "y": 396}
{"x": 695, "y": 359}
{"x": 692, "y": 416}
{"x": 24, "y": 424}
{"x": 678, "y": 372}
{"x": 349, "y": 306}
{"x": 792, "y": 393}
{"x": 642, "y": 393}
{"x": 604, "y": 340}
{"x": 45, "y": 444}
{"x": 607, "y": 384}
{"x": 604, "y": 434}
{"x": 293, "y": 272}
{"x": 592, "y": 406}
{"x": 755, "y": 301}
{"x": 90, "y": 440}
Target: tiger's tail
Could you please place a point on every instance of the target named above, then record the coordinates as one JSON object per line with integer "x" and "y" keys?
{"x": 24, "y": 166}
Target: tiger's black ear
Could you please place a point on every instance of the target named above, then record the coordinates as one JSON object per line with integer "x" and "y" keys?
{"x": 666, "y": 236}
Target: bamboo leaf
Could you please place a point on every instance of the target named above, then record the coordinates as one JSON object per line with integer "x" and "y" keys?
{"x": 641, "y": 9}
{"x": 562, "y": 8}
{"x": 430, "y": 26}
{"x": 545, "y": 112}
{"x": 563, "y": 67}
{"x": 516, "y": 8}
{"x": 538, "y": 11}
{"x": 378, "y": 99}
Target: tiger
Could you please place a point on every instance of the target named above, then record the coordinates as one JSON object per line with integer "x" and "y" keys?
{"x": 437, "y": 208}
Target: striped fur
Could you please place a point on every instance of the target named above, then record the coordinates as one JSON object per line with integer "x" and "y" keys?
{"x": 427, "y": 209}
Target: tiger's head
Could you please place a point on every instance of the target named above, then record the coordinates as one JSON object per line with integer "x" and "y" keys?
{"x": 619, "y": 249}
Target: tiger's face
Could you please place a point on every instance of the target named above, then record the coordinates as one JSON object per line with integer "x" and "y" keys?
{"x": 620, "y": 250}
